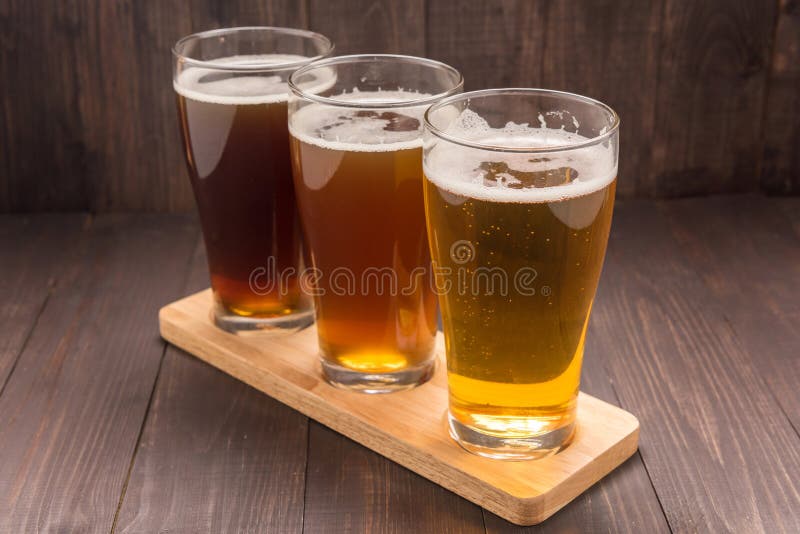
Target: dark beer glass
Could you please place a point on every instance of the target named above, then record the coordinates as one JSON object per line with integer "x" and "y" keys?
{"x": 231, "y": 86}
{"x": 357, "y": 162}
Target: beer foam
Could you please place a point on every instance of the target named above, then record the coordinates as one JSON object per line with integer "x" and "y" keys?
{"x": 462, "y": 171}
{"x": 219, "y": 87}
{"x": 362, "y": 130}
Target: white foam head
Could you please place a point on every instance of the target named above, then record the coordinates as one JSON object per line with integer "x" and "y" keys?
{"x": 371, "y": 129}
{"x": 217, "y": 87}
{"x": 458, "y": 169}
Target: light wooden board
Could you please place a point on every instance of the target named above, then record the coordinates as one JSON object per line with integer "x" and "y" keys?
{"x": 409, "y": 427}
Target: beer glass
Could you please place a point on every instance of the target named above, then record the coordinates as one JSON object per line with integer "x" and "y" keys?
{"x": 232, "y": 93}
{"x": 357, "y": 163}
{"x": 519, "y": 190}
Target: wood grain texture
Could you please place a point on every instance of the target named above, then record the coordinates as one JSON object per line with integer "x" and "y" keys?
{"x": 371, "y": 26}
{"x": 721, "y": 454}
{"x": 792, "y": 212}
{"x": 33, "y": 251}
{"x": 709, "y": 101}
{"x": 780, "y": 169}
{"x": 708, "y": 93}
{"x": 409, "y": 427}
{"x": 608, "y": 50}
{"x": 132, "y": 107}
{"x": 350, "y": 488}
{"x": 757, "y": 284}
{"x": 492, "y": 44}
{"x": 72, "y": 410}
{"x": 215, "y": 454}
{"x": 89, "y": 116}
{"x": 289, "y": 13}
{"x": 47, "y": 162}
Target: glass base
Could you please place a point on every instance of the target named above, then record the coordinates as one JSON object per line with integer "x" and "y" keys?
{"x": 511, "y": 448}
{"x": 239, "y": 324}
{"x": 365, "y": 382}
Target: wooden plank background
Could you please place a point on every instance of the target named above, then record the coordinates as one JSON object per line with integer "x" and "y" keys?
{"x": 709, "y": 91}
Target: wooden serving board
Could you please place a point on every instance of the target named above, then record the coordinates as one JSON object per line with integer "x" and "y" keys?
{"x": 409, "y": 427}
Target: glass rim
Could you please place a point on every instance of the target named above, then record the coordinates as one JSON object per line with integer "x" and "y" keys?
{"x": 530, "y": 91}
{"x": 214, "y": 64}
{"x": 364, "y": 58}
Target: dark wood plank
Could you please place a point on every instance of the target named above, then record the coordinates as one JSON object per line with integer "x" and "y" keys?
{"x": 608, "y": 50}
{"x": 707, "y": 93}
{"x": 349, "y": 488}
{"x": 493, "y": 44}
{"x": 371, "y": 26}
{"x": 33, "y": 250}
{"x": 721, "y": 454}
{"x": 711, "y": 86}
{"x": 756, "y": 284}
{"x": 47, "y": 161}
{"x": 132, "y": 106}
{"x": 791, "y": 209}
{"x": 288, "y": 13}
{"x": 73, "y": 408}
{"x": 215, "y": 454}
{"x": 89, "y": 118}
{"x": 780, "y": 168}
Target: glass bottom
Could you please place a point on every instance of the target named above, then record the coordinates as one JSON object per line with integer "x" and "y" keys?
{"x": 240, "y": 324}
{"x": 517, "y": 447}
{"x": 367, "y": 382}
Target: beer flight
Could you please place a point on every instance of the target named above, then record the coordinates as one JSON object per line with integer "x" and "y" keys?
{"x": 361, "y": 192}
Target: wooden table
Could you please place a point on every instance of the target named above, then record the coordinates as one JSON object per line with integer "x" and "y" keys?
{"x": 105, "y": 428}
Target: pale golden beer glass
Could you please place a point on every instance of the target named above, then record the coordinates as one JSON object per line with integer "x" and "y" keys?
{"x": 357, "y": 164}
{"x": 519, "y": 190}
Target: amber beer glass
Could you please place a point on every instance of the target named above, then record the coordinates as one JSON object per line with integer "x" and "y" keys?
{"x": 357, "y": 162}
{"x": 519, "y": 190}
{"x": 232, "y": 92}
